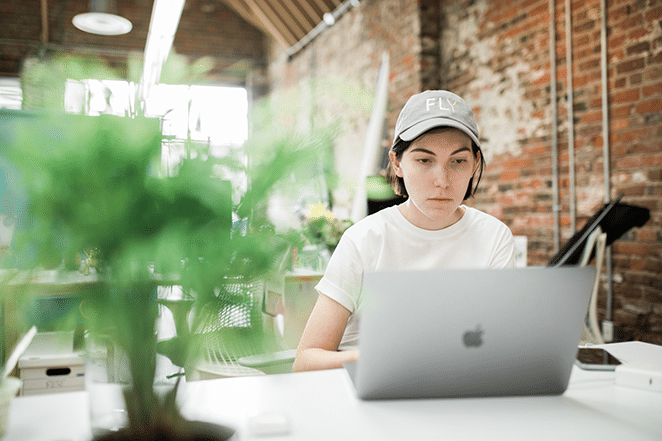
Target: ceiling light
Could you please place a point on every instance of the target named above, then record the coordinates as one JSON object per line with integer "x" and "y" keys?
{"x": 102, "y": 19}
{"x": 329, "y": 19}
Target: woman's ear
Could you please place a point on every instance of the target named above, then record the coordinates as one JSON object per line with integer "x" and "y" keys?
{"x": 395, "y": 163}
{"x": 478, "y": 162}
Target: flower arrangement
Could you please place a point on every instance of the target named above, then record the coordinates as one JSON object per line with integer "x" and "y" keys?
{"x": 317, "y": 238}
{"x": 322, "y": 226}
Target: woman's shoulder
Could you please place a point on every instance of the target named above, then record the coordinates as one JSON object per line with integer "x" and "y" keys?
{"x": 375, "y": 224}
{"x": 476, "y": 217}
{"x": 378, "y": 219}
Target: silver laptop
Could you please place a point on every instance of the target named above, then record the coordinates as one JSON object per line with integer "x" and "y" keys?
{"x": 449, "y": 333}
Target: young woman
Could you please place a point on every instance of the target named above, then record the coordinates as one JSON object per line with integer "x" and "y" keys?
{"x": 436, "y": 162}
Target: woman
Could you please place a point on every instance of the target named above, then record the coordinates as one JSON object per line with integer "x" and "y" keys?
{"x": 435, "y": 162}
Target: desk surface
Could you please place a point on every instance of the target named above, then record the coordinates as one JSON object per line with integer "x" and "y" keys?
{"x": 322, "y": 405}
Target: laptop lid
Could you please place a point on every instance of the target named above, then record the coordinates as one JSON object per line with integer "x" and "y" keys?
{"x": 450, "y": 333}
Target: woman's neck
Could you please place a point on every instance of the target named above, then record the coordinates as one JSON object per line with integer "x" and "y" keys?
{"x": 417, "y": 218}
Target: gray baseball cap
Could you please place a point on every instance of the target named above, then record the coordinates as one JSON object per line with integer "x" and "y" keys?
{"x": 434, "y": 108}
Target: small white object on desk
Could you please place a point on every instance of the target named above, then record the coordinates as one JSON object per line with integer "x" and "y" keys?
{"x": 641, "y": 366}
{"x": 646, "y": 376}
{"x": 269, "y": 424}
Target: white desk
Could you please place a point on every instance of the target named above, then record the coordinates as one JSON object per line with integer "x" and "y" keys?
{"x": 322, "y": 405}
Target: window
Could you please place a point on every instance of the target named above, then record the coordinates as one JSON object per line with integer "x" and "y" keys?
{"x": 211, "y": 118}
{"x": 10, "y": 93}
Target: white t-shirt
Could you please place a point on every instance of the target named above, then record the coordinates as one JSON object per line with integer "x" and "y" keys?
{"x": 386, "y": 240}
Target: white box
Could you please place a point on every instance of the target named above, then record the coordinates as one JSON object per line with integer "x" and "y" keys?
{"x": 646, "y": 376}
{"x": 43, "y": 374}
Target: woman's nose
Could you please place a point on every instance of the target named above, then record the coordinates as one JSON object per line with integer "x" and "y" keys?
{"x": 441, "y": 177}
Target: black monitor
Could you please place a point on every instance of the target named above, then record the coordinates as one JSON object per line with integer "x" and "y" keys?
{"x": 13, "y": 198}
{"x": 615, "y": 219}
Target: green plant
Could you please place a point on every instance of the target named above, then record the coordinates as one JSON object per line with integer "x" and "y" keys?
{"x": 95, "y": 187}
{"x": 320, "y": 227}
{"x": 94, "y": 183}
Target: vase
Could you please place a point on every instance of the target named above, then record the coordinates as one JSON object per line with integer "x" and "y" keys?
{"x": 106, "y": 377}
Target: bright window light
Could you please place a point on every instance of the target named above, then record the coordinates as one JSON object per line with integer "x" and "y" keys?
{"x": 214, "y": 117}
{"x": 215, "y": 114}
{"x": 203, "y": 113}
{"x": 96, "y": 97}
{"x": 10, "y": 93}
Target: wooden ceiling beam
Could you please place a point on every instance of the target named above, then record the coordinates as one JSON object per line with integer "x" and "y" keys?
{"x": 264, "y": 21}
{"x": 287, "y": 19}
{"x": 244, "y": 11}
{"x": 322, "y": 6}
{"x": 295, "y": 10}
{"x": 267, "y": 11}
{"x": 315, "y": 16}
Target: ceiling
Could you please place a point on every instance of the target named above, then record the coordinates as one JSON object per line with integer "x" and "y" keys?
{"x": 29, "y": 27}
{"x": 286, "y": 21}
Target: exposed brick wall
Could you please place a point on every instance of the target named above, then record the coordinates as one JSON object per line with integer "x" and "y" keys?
{"x": 210, "y": 28}
{"x": 348, "y": 55}
{"x": 503, "y": 68}
{"x": 496, "y": 55}
{"x": 430, "y": 36}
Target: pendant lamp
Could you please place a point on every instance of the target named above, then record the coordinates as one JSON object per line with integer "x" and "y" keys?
{"x": 102, "y": 19}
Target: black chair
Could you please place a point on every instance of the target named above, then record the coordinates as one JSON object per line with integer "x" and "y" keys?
{"x": 614, "y": 218}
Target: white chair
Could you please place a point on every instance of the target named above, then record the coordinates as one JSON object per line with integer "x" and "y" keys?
{"x": 235, "y": 324}
{"x": 289, "y": 303}
{"x": 228, "y": 330}
{"x": 597, "y": 242}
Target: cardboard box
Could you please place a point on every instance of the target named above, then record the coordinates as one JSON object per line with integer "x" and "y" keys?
{"x": 52, "y": 373}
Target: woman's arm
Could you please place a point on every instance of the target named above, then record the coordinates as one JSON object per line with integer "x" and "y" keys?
{"x": 318, "y": 348}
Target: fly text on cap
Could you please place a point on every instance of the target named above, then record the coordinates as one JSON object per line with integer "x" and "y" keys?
{"x": 439, "y": 102}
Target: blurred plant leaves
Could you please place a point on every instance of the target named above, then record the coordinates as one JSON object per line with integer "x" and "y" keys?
{"x": 96, "y": 183}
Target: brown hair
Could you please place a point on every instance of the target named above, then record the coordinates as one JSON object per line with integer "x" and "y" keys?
{"x": 398, "y": 183}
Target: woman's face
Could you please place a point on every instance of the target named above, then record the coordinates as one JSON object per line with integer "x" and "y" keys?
{"x": 436, "y": 169}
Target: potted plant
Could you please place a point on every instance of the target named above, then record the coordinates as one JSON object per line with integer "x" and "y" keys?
{"x": 316, "y": 239}
{"x": 93, "y": 183}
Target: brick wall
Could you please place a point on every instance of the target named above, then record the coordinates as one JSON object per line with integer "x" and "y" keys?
{"x": 503, "y": 68}
{"x": 348, "y": 56}
{"x": 496, "y": 55}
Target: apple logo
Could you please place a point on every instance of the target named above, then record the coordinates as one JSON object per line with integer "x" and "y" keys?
{"x": 473, "y": 338}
